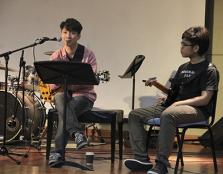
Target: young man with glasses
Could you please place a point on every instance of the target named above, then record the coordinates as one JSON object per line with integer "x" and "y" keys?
{"x": 188, "y": 101}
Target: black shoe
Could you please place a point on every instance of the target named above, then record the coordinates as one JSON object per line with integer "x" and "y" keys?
{"x": 136, "y": 165}
{"x": 55, "y": 160}
{"x": 160, "y": 168}
{"x": 80, "y": 140}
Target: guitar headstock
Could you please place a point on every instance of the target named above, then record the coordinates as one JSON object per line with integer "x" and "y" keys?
{"x": 103, "y": 76}
{"x": 150, "y": 81}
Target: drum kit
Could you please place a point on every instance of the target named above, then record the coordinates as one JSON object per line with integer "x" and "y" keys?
{"x": 22, "y": 113}
{"x": 18, "y": 127}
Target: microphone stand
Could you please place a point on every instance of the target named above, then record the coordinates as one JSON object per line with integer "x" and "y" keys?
{"x": 3, "y": 149}
{"x": 12, "y": 122}
{"x": 21, "y": 68}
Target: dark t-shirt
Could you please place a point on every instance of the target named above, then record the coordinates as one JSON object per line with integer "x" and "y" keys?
{"x": 191, "y": 79}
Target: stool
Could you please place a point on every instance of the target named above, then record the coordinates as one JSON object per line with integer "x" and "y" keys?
{"x": 94, "y": 116}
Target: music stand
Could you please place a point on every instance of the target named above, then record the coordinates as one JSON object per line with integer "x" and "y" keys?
{"x": 130, "y": 73}
{"x": 64, "y": 73}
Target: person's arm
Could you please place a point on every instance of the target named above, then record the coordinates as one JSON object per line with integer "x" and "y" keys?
{"x": 92, "y": 61}
{"x": 57, "y": 56}
{"x": 153, "y": 82}
{"x": 201, "y": 100}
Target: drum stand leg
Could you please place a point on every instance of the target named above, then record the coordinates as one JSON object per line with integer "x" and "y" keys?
{"x": 4, "y": 152}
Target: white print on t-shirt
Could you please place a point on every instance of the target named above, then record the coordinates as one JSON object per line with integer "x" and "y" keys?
{"x": 187, "y": 73}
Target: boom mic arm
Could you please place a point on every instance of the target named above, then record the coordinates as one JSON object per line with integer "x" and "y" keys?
{"x": 44, "y": 39}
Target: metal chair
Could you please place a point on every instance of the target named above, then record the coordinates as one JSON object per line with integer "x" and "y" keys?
{"x": 182, "y": 128}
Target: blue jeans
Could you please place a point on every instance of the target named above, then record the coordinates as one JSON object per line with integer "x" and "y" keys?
{"x": 75, "y": 107}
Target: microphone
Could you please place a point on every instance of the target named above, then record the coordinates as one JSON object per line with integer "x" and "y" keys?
{"x": 44, "y": 39}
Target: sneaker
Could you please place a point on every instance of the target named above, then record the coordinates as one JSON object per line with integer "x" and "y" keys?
{"x": 55, "y": 160}
{"x": 80, "y": 140}
{"x": 159, "y": 168}
{"x": 136, "y": 165}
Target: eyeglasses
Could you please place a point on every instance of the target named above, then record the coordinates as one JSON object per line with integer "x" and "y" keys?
{"x": 183, "y": 44}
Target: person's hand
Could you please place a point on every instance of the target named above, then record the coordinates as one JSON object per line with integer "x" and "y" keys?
{"x": 150, "y": 81}
{"x": 160, "y": 99}
{"x": 177, "y": 103}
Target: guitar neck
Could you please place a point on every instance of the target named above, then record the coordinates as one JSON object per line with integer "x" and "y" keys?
{"x": 161, "y": 87}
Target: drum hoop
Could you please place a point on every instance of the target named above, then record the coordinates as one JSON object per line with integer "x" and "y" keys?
{"x": 20, "y": 103}
{"x": 18, "y": 132}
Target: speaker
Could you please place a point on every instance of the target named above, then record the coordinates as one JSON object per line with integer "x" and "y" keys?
{"x": 217, "y": 130}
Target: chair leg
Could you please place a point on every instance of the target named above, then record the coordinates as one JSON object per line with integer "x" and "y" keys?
{"x": 120, "y": 135}
{"x": 148, "y": 136}
{"x": 49, "y": 134}
{"x": 213, "y": 150}
{"x": 178, "y": 142}
{"x": 113, "y": 131}
{"x": 180, "y": 154}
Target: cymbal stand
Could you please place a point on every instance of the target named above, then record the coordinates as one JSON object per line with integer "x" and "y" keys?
{"x": 35, "y": 141}
{"x": 22, "y": 64}
{"x": 35, "y": 144}
{"x": 12, "y": 122}
{"x": 3, "y": 150}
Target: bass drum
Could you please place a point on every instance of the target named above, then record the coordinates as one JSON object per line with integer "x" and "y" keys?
{"x": 35, "y": 116}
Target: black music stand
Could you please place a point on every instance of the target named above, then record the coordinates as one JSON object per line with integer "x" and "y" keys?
{"x": 130, "y": 73}
{"x": 61, "y": 72}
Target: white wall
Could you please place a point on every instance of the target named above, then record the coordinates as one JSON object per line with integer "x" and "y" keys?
{"x": 116, "y": 30}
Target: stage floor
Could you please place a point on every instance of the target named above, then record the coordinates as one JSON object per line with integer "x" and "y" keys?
{"x": 196, "y": 158}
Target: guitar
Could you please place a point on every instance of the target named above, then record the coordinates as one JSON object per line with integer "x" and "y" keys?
{"x": 171, "y": 93}
{"x": 47, "y": 94}
{"x": 153, "y": 82}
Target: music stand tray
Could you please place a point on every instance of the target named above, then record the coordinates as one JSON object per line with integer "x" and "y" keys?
{"x": 133, "y": 67}
{"x": 76, "y": 73}
{"x": 130, "y": 73}
{"x": 64, "y": 73}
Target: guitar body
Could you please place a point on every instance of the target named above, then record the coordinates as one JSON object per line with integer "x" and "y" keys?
{"x": 45, "y": 92}
{"x": 171, "y": 96}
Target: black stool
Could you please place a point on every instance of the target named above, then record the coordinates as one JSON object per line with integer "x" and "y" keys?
{"x": 94, "y": 116}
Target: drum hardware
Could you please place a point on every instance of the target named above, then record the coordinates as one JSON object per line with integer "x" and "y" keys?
{"x": 3, "y": 149}
{"x": 35, "y": 117}
{"x": 16, "y": 105}
{"x": 27, "y": 121}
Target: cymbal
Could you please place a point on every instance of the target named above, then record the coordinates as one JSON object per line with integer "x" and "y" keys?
{"x": 2, "y": 67}
{"x": 48, "y": 53}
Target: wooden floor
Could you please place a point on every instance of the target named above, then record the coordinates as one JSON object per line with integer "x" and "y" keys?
{"x": 197, "y": 160}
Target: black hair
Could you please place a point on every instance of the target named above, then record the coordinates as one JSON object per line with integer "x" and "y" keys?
{"x": 197, "y": 36}
{"x": 71, "y": 24}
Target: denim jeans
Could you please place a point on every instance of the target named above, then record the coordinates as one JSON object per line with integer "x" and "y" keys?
{"x": 75, "y": 107}
{"x": 170, "y": 118}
